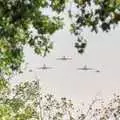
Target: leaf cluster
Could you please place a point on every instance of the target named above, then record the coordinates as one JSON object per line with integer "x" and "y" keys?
{"x": 27, "y": 101}
{"x": 95, "y": 15}
{"x": 17, "y": 17}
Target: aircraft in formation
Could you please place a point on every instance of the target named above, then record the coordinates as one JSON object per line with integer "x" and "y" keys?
{"x": 85, "y": 68}
{"x": 64, "y": 58}
{"x": 44, "y": 67}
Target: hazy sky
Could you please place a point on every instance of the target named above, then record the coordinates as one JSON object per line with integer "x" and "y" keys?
{"x": 102, "y": 52}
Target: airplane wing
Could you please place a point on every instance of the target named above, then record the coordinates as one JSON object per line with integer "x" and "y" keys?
{"x": 85, "y": 69}
{"x": 69, "y": 58}
{"x": 81, "y": 69}
{"x": 45, "y": 68}
{"x": 59, "y": 58}
{"x": 49, "y": 67}
{"x": 90, "y": 69}
{"x": 40, "y": 68}
{"x": 63, "y": 58}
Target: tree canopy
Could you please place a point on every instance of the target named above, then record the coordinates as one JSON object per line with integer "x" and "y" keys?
{"x": 28, "y": 101}
{"x": 95, "y": 15}
{"x": 20, "y": 18}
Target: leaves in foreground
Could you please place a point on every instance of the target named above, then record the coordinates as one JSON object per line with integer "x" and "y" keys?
{"x": 27, "y": 101}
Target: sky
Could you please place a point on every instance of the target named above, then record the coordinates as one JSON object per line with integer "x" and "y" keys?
{"x": 64, "y": 80}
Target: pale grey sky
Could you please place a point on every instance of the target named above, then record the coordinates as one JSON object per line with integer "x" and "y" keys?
{"x": 102, "y": 52}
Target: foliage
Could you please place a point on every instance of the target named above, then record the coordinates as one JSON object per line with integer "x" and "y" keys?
{"x": 27, "y": 101}
{"x": 3, "y": 84}
{"x": 23, "y": 22}
{"x": 96, "y": 15}
{"x": 100, "y": 110}
{"x": 19, "y": 19}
